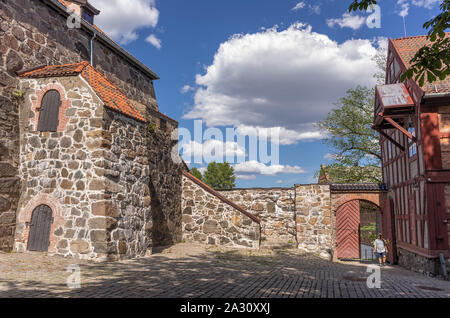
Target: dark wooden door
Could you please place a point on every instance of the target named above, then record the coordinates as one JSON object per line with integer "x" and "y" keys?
{"x": 49, "y": 111}
{"x": 347, "y": 230}
{"x": 41, "y": 221}
{"x": 392, "y": 253}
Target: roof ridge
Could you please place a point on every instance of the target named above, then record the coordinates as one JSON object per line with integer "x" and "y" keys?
{"x": 43, "y": 67}
{"x": 111, "y": 95}
{"x": 414, "y": 36}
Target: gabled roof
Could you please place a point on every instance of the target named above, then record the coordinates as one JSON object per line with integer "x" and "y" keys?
{"x": 407, "y": 48}
{"x": 109, "y": 93}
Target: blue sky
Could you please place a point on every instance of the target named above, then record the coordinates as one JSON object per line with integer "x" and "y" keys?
{"x": 258, "y": 64}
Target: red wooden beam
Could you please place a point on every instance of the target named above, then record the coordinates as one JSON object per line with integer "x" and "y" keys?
{"x": 389, "y": 138}
{"x": 402, "y": 130}
{"x": 207, "y": 188}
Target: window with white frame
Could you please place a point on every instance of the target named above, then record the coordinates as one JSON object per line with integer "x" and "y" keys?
{"x": 412, "y": 144}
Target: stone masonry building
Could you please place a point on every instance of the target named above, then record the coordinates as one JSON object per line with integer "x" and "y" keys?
{"x": 85, "y": 154}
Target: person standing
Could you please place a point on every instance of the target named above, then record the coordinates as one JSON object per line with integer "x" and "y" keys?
{"x": 380, "y": 248}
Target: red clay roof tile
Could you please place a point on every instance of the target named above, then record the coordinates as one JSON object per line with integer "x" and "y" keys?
{"x": 110, "y": 94}
{"x": 407, "y": 48}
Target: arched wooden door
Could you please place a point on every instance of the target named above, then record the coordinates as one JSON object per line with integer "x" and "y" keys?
{"x": 41, "y": 221}
{"x": 49, "y": 111}
{"x": 347, "y": 230}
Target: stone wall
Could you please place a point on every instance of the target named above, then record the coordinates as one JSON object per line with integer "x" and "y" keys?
{"x": 276, "y": 210}
{"x": 314, "y": 219}
{"x": 165, "y": 183}
{"x": 420, "y": 264}
{"x": 33, "y": 34}
{"x": 65, "y": 170}
{"x": 209, "y": 220}
{"x": 128, "y": 230}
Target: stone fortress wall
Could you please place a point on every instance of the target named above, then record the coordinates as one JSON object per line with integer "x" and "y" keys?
{"x": 209, "y": 220}
{"x": 298, "y": 217}
{"x": 275, "y": 207}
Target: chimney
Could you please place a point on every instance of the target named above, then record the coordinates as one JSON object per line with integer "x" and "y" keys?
{"x": 82, "y": 8}
{"x": 324, "y": 178}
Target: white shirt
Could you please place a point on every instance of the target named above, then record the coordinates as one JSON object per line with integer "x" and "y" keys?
{"x": 379, "y": 246}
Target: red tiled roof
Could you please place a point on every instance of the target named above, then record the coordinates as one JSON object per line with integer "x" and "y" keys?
{"x": 407, "y": 48}
{"x": 110, "y": 94}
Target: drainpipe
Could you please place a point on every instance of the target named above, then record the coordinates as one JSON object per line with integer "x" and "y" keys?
{"x": 92, "y": 47}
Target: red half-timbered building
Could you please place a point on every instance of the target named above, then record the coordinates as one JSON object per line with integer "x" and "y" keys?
{"x": 414, "y": 126}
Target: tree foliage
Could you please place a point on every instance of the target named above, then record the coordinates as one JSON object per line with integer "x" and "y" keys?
{"x": 196, "y": 173}
{"x": 430, "y": 63}
{"x": 339, "y": 173}
{"x": 349, "y": 132}
{"x": 220, "y": 176}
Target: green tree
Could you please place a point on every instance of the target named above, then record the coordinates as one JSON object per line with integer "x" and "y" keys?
{"x": 220, "y": 176}
{"x": 349, "y": 133}
{"x": 196, "y": 173}
{"x": 430, "y": 62}
{"x": 339, "y": 173}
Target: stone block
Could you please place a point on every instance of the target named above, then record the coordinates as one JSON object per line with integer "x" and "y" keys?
{"x": 210, "y": 227}
{"x": 102, "y": 223}
{"x": 105, "y": 208}
{"x": 79, "y": 246}
{"x": 7, "y": 170}
{"x": 99, "y": 235}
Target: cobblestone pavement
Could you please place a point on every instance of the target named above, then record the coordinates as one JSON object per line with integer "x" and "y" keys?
{"x": 187, "y": 270}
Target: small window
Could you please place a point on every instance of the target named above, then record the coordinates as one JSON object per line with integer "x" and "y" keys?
{"x": 49, "y": 111}
{"x": 162, "y": 124}
{"x": 89, "y": 17}
{"x": 412, "y": 145}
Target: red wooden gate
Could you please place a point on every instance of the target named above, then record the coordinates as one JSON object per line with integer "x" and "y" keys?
{"x": 347, "y": 230}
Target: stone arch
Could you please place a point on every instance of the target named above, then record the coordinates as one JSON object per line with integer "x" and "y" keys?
{"x": 339, "y": 199}
{"x": 25, "y": 215}
{"x": 63, "y": 119}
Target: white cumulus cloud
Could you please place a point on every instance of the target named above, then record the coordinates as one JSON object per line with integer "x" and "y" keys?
{"x": 403, "y": 10}
{"x": 210, "y": 148}
{"x": 153, "y": 40}
{"x": 121, "y": 19}
{"x": 347, "y": 21}
{"x": 429, "y": 4}
{"x": 252, "y": 168}
{"x": 286, "y": 78}
{"x": 186, "y": 88}
{"x": 299, "y": 6}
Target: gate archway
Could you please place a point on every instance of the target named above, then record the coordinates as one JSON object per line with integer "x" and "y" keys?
{"x": 345, "y": 202}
